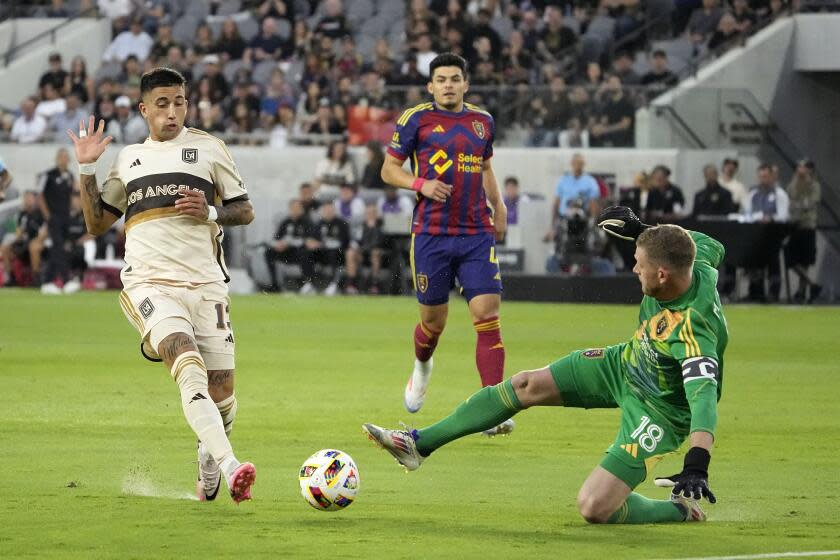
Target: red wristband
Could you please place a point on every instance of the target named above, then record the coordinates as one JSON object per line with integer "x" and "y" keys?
{"x": 418, "y": 184}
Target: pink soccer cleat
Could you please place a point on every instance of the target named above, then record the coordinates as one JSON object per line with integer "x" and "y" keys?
{"x": 241, "y": 481}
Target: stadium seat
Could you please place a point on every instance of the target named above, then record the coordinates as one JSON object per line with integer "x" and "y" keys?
{"x": 108, "y": 70}
{"x": 602, "y": 27}
{"x": 183, "y": 30}
{"x": 229, "y": 7}
{"x": 248, "y": 27}
{"x": 591, "y": 49}
{"x": 262, "y": 71}
{"x": 230, "y": 69}
{"x": 199, "y": 9}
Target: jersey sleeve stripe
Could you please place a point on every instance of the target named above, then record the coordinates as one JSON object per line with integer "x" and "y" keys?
{"x": 691, "y": 336}
{"x": 408, "y": 112}
{"x": 239, "y": 198}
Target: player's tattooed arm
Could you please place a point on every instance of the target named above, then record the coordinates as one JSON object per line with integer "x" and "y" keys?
{"x": 238, "y": 213}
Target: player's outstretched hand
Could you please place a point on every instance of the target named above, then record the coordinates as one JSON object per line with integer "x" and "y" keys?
{"x": 693, "y": 481}
{"x": 622, "y": 222}
{"x": 89, "y": 143}
{"x": 436, "y": 190}
{"x": 192, "y": 203}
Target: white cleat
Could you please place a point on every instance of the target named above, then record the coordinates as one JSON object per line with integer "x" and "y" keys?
{"x": 502, "y": 429}
{"x": 690, "y": 506}
{"x": 51, "y": 288}
{"x": 415, "y": 389}
{"x": 209, "y": 476}
{"x": 332, "y": 289}
{"x": 72, "y": 286}
{"x": 307, "y": 289}
{"x": 398, "y": 443}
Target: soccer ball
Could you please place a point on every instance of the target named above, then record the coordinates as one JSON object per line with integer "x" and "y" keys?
{"x": 329, "y": 480}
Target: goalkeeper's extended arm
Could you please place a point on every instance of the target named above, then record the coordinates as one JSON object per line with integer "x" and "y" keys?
{"x": 622, "y": 222}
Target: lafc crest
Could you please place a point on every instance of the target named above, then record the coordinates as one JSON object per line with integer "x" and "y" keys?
{"x": 478, "y": 127}
{"x": 422, "y": 283}
{"x": 189, "y": 155}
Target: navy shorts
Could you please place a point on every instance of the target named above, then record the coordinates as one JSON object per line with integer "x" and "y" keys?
{"x": 437, "y": 260}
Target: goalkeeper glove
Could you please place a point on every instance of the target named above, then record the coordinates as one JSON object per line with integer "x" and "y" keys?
{"x": 622, "y": 222}
{"x": 693, "y": 481}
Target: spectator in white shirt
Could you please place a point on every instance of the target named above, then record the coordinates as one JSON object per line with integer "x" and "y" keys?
{"x": 29, "y": 127}
{"x": 134, "y": 41}
{"x": 69, "y": 119}
{"x": 728, "y": 181}
{"x": 52, "y": 104}
{"x": 113, "y": 9}
{"x": 767, "y": 201}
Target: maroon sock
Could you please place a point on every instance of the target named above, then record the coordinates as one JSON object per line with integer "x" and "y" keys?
{"x": 489, "y": 351}
{"x": 425, "y": 341}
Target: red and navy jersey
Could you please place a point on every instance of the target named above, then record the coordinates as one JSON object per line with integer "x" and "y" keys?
{"x": 449, "y": 147}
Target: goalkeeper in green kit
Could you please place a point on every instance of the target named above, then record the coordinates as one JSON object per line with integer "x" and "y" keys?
{"x": 666, "y": 380}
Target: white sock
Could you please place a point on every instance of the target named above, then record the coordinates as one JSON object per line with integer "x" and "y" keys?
{"x": 424, "y": 368}
{"x": 201, "y": 413}
{"x": 227, "y": 408}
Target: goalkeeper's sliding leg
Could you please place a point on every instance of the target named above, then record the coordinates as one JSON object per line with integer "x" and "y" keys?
{"x": 590, "y": 379}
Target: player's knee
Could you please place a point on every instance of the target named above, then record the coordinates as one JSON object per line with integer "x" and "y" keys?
{"x": 175, "y": 344}
{"x": 220, "y": 383}
{"x": 527, "y": 391}
{"x": 592, "y": 509}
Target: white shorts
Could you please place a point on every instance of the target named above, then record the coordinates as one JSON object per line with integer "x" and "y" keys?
{"x": 158, "y": 310}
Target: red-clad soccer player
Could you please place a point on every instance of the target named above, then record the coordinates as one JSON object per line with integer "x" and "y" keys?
{"x": 458, "y": 216}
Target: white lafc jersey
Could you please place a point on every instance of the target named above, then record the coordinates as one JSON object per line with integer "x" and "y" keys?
{"x": 161, "y": 244}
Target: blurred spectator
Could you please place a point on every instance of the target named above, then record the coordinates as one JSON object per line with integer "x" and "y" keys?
{"x": 326, "y": 121}
{"x": 80, "y": 245}
{"x": 556, "y": 110}
{"x": 176, "y": 60}
{"x": 703, "y": 22}
{"x": 575, "y": 187}
{"x": 131, "y": 72}
{"x": 801, "y": 251}
{"x": 333, "y": 24}
{"x": 593, "y": 77}
{"x": 727, "y": 179}
{"x": 230, "y": 45}
{"x": 57, "y": 9}
{"x": 105, "y": 110}
{"x": 127, "y": 127}
{"x": 164, "y": 42}
{"x": 294, "y": 242}
{"x": 512, "y": 198}
{"x": 5, "y": 179}
{"x": 203, "y": 43}
{"x": 726, "y": 31}
{"x": 333, "y": 171}
{"x": 210, "y": 118}
{"x": 51, "y": 104}
{"x": 424, "y": 54}
{"x": 26, "y": 244}
{"x": 285, "y": 127}
{"x": 517, "y": 63}
{"x": 767, "y": 201}
{"x": 368, "y": 251}
{"x": 667, "y": 201}
{"x": 712, "y": 199}
{"x": 351, "y": 208}
{"x": 638, "y": 196}
{"x": 114, "y": 9}
{"x": 333, "y": 242}
{"x": 28, "y": 127}
{"x": 555, "y": 37}
{"x": 306, "y": 195}
{"x": 744, "y": 16}
{"x": 577, "y": 132}
{"x": 212, "y": 72}
{"x": 135, "y": 42}
{"x": 57, "y": 185}
{"x": 80, "y": 83}
{"x": 623, "y": 68}
{"x": 278, "y": 9}
{"x": 372, "y": 173}
{"x": 613, "y": 126}
{"x": 396, "y": 211}
{"x": 242, "y": 93}
{"x": 659, "y": 78}
{"x": 56, "y": 76}
{"x": 268, "y": 45}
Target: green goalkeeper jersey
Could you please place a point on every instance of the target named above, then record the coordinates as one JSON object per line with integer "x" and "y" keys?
{"x": 674, "y": 362}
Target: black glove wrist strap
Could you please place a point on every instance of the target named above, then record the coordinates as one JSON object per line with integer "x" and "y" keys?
{"x": 697, "y": 461}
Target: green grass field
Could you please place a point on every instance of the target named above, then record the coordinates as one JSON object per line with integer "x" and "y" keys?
{"x": 98, "y": 462}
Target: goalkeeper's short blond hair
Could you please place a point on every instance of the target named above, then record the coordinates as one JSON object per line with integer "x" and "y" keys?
{"x": 669, "y": 246}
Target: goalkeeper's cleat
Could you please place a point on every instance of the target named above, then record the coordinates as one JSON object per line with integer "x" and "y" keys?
{"x": 689, "y": 507}
{"x": 502, "y": 429}
{"x": 240, "y": 482}
{"x": 209, "y": 476}
{"x": 398, "y": 443}
{"x": 415, "y": 389}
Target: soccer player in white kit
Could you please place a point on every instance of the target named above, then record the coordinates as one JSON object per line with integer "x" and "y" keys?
{"x": 176, "y": 190}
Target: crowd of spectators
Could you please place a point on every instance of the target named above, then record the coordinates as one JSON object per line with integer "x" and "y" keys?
{"x": 281, "y": 71}
{"x": 580, "y": 248}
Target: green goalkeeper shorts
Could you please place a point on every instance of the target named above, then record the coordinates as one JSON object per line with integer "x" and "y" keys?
{"x": 594, "y": 379}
